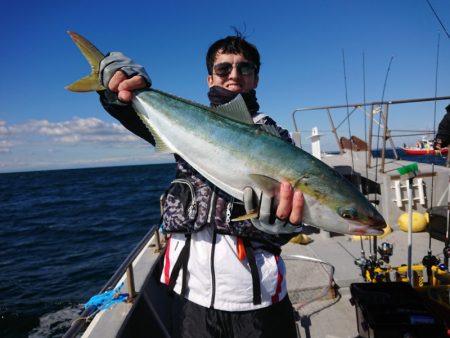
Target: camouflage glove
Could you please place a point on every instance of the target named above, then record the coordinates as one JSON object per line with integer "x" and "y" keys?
{"x": 115, "y": 61}
{"x": 266, "y": 219}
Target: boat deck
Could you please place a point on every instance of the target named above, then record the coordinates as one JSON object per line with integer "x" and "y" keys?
{"x": 329, "y": 316}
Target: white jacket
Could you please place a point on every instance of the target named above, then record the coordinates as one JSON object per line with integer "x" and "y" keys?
{"x": 227, "y": 283}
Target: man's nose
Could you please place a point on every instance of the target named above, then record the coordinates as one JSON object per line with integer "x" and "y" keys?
{"x": 234, "y": 72}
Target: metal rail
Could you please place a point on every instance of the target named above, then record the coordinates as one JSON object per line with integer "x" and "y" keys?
{"x": 126, "y": 267}
{"x": 386, "y": 132}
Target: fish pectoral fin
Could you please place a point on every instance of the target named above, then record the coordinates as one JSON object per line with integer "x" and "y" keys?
{"x": 160, "y": 144}
{"x": 301, "y": 180}
{"x": 245, "y": 217}
{"x": 236, "y": 110}
{"x": 267, "y": 184}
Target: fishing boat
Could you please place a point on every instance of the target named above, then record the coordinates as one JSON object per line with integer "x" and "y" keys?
{"x": 424, "y": 147}
{"x": 337, "y": 283}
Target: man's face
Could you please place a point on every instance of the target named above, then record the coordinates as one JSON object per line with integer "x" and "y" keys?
{"x": 235, "y": 81}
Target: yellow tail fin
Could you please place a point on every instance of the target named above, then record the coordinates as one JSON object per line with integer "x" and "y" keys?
{"x": 93, "y": 56}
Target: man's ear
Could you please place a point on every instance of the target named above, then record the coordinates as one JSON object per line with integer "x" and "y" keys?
{"x": 256, "y": 80}
{"x": 210, "y": 81}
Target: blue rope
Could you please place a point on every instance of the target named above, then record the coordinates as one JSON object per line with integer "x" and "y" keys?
{"x": 105, "y": 300}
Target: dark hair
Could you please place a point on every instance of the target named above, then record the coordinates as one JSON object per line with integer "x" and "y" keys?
{"x": 448, "y": 108}
{"x": 235, "y": 44}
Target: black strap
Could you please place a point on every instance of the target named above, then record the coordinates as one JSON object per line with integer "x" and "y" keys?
{"x": 181, "y": 263}
{"x": 254, "y": 271}
{"x": 213, "y": 269}
{"x": 237, "y": 209}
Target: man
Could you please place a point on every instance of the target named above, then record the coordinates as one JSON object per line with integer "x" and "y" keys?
{"x": 230, "y": 276}
{"x": 443, "y": 135}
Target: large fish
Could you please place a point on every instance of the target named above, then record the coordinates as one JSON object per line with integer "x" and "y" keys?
{"x": 226, "y": 147}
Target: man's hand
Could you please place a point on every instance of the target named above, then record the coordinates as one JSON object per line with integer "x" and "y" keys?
{"x": 291, "y": 204}
{"x": 123, "y": 86}
{"x": 286, "y": 219}
{"x": 122, "y": 75}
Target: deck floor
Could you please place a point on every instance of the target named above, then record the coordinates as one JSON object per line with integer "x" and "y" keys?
{"x": 329, "y": 316}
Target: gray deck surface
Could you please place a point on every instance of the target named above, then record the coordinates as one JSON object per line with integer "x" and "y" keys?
{"x": 329, "y": 316}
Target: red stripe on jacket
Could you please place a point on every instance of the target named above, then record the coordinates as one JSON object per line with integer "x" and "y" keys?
{"x": 167, "y": 263}
{"x": 276, "y": 296}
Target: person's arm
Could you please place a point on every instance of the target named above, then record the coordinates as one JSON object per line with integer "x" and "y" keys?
{"x": 443, "y": 135}
{"x": 121, "y": 76}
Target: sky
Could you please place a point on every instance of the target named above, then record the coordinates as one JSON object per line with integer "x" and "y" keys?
{"x": 313, "y": 53}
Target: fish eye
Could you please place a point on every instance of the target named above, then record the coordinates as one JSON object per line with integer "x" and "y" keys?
{"x": 348, "y": 213}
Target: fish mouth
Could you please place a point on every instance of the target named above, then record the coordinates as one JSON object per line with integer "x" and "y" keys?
{"x": 377, "y": 221}
{"x": 372, "y": 227}
{"x": 364, "y": 230}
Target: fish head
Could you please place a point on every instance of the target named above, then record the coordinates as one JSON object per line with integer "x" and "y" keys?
{"x": 343, "y": 216}
{"x": 362, "y": 220}
{"x": 336, "y": 205}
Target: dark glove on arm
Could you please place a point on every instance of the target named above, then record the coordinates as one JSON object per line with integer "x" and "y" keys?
{"x": 266, "y": 219}
{"x": 115, "y": 61}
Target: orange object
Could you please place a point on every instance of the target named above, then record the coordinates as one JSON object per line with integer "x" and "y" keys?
{"x": 240, "y": 249}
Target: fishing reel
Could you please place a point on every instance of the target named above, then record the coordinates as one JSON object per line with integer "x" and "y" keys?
{"x": 385, "y": 250}
{"x": 373, "y": 269}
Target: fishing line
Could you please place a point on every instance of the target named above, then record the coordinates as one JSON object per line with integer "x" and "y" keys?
{"x": 348, "y": 113}
{"x": 438, "y": 19}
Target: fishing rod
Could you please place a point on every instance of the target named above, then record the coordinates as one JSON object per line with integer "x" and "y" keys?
{"x": 362, "y": 261}
{"x": 378, "y": 142}
{"x": 438, "y": 19}
{"x": 430, "y": 260}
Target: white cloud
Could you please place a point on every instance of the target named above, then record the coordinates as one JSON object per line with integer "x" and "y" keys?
{"x": 75, "y": 131}
{"x": 79, "y": 142}
{"x": 5, "y": 146}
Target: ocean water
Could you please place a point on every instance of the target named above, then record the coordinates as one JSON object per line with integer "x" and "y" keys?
{"x": 64, "y": 233}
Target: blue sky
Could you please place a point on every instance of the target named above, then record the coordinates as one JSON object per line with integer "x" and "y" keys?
{"x": 302, "y": 43}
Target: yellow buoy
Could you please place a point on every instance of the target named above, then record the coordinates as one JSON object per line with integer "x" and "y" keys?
{"x": 419, "y": 221}
{"x": 301, "y": 239}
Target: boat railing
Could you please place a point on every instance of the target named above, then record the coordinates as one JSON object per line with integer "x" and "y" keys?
{"x": 381, "y": 107}
{"x": 80, "y": 324}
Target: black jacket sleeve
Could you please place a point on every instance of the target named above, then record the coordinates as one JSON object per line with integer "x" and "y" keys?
{"x": 125, "y": 114}
{"x": 444, "y": 130}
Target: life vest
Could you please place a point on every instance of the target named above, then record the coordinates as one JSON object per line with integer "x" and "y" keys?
{"x": 205, "y": 245}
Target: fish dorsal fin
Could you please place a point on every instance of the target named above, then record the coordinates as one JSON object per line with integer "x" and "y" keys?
{"x": 272, "y": 130}
{"x": 268, "y": 185}
{"x": 160, "y": 145}
{"x": 236, "y": 110}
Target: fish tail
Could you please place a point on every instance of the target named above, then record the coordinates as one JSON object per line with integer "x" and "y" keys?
{"x": 93, "y": 56}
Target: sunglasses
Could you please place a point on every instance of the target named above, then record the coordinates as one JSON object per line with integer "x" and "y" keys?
{"x": 243, "y": 68}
